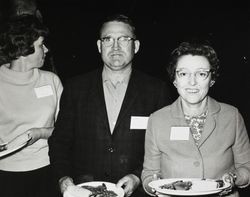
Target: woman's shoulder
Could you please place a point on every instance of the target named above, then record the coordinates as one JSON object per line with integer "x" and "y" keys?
{"x": 223, "y": 106}
{"x": 162, "y": 113}
{"x": 48, "y": 75}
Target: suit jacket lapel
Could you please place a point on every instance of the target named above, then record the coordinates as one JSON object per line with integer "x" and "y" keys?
{"x": 213, "y": 108}
{"x": 130, "y": 96}
{"x": 98, "y": 100}
{"x": 178, "y": 116}
{"x": 210, "y": 123}
{"x": 208, "y": 129}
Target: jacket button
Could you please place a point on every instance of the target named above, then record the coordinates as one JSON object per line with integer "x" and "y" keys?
{"x": 196, "y": 163}
{"x": 111, "y": 149}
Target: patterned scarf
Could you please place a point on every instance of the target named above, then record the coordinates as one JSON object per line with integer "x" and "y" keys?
{"x": 196, "y": 124}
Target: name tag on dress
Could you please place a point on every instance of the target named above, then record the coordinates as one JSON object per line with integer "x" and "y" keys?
{"x": 179, "y": 133}
{"x": 138, "y": 122}
{"x": 43, "y": 91}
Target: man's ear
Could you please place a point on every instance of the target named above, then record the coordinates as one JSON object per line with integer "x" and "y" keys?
{"x": 99, "y": 45}
{"x": 137, "y": 45}
{"x": 175, "y": 84}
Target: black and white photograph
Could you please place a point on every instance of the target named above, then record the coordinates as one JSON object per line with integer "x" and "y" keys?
{"x": 124, "y": 98}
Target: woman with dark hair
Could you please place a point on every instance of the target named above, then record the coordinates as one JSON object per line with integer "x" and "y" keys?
{"x": 196, "y": 136}
{"x": 30, "y": 7}
{"x": 29, "y": 104}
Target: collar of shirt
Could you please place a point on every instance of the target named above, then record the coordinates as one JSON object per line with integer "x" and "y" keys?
{"x": 115, "y": 78}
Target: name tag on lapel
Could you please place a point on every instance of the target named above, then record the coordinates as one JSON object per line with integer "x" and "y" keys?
{"x": 43, "y": 91}
{"x": 138, "y": 122}
{"x": 179, "y": 133}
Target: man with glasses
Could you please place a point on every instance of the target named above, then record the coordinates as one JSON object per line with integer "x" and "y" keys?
{"x": 99, "y": 135}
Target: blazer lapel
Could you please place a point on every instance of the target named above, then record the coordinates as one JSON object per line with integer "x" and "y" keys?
{"x": 213, "y": 108}
{"x": 98, "y": 100}
{"x": 130, "y": 96}
{"x": 179, "y": 120}
{"x": 208, "y": 129}
{"x": 210, "y": 123}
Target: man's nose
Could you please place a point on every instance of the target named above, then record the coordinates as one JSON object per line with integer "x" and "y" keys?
{"x": 116, "y": 44}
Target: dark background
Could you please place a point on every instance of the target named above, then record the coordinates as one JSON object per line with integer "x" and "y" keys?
{"x": 161, "y": 26}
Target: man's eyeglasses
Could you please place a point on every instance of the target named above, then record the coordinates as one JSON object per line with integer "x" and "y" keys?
{"x": 122, "y": 41}
{"x": 200, "y": 75}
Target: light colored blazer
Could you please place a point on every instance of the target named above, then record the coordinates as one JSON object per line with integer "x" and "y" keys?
{"x": 223, "y": 147}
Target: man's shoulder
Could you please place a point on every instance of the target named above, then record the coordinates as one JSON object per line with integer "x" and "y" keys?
{"x": 84, "y": 78}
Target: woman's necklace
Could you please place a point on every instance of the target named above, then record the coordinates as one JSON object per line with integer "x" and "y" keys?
{"x": 196, "y": 124}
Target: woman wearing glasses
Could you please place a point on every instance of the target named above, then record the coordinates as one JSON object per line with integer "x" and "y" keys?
{"x": 196, "y": 136}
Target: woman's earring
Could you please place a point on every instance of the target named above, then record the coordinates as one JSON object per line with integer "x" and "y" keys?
{"x": 212, "y": 83}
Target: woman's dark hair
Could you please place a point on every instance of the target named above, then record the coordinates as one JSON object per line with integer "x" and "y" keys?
{"x": 18, "y": 35}
{"x": 194, "y": 48}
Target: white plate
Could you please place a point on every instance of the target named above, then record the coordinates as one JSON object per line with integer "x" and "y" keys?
{"x": 110, "y": 186}
{"x": 199, "y": 187}
{"x": 21, "y": 144}
{"x": 8, "y": 151}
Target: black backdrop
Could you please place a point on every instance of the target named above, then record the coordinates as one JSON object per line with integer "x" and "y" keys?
{"x": 161, "y": 26}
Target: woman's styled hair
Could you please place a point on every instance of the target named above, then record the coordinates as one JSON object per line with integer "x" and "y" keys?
{"x": 194, "y": 48}
{"x": 18, "y": 35}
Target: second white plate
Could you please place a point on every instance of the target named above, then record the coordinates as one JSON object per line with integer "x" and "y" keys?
{"x": 11, "y": 150}
{"x": 15, "y": 145}
{"x": 199, "y": 187}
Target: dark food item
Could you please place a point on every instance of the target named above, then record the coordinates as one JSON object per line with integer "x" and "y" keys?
{"x": 220, "y": 183}
{"x": 178, "y": 185}
{"x": 3, "y": 147}
{"x": 100, "y": 191}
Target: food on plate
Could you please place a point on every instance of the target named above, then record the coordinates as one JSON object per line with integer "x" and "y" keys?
{"x": 220, "y": 183}
{"x": 3, "y": 146}
{"x": 100, "y": 191}
{"x": 177, "y": 185}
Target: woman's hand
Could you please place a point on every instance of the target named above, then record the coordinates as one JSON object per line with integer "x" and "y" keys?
{"x": 39, "y": 133}
{"x": 229, "y": 178}
{"x": 149, "y": 190}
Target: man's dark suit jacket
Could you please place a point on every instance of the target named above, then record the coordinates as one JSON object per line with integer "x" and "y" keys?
{"x": 82, "y": 146}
